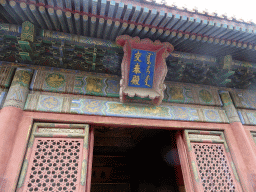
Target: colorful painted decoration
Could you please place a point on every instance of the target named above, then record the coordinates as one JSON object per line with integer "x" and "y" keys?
{"x": 143, "y": 68}
{"x": 55, "y": 80}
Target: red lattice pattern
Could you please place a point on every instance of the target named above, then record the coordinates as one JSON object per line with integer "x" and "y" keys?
{"x": 54, "y": 165}
{"x": 213, "y": 167}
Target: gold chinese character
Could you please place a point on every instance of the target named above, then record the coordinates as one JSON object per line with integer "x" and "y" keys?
{"x": 136, "y": 68}
{"x": 137, "y": 56}
{"x": 146, "y": 81}
{"x": 135, "y": 80}
{"x": 148, "y": 58}
{"x": 148, "y": 69}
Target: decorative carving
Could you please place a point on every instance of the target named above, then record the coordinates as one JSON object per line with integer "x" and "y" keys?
{"x": 28, "y": 32}
{"x": 18, "y": 91}
{"x": 205, "y": 96}
{"x": 143, "y": 68}
{"x": 209, "y": 137}
{"x": 55, "y": 80}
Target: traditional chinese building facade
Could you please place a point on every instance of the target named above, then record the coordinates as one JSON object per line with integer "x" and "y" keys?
{"x": 81, "y": 113}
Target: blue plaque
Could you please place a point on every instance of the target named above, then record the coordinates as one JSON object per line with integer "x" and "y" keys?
{"x": 142, "y": 68}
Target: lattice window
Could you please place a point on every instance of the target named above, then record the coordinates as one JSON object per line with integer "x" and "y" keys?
{"x": 213, "y": 167}
{"x": 211, "y": 162}
{"x": 55, "y": 164}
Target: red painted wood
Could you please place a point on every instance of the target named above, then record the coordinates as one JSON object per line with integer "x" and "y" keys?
{"x": 248, "y": 153}
{"x": 237, "y": 158}
{"x": 162, "y": 50}
{"x": 90, "y": 159}
{"x": 40, "y": 159}
{"x": 9, "y": 121}
{"x": 125, "y": 122}
{"x": 187, "y": 177}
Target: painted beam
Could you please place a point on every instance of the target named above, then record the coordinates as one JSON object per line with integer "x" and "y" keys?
{"x": 143, "y": 32}
{"x": 69, "y": 20}
{"x": 85, "y": 25}
{"x": 173, "y": 21}
{"x": 145, "y": 13}
{"x": 60, "y": 4}
{"x": 68, "y": 5}
{"x": 38, "y": 17}
{"x": 54, "y": 19}
{"x": 111, "y": 9}
{"x": 127, "y": 12}
{"x": 100, "y": 28}
{"x": 158, "y": 34}
{"x": 114, "y": 30}
{"x": 151, "y": 17}
{"x": 77, "y": 22}
{"x": 45, "y": 17}
{"x": 93, "y": 27}
{"x": 137, "y": 12}
{"x": 158, "y": 18}
{"x": 120, "y": 10}
{"x": 28, "y": 13}
{"x": 94, "y": 7}
{"x": 18, "y": 10}
{"x": 77, "y": 5}
{"x": 8, "y": 8}
{"x": 122, "y": 29}
{"x": 137, "y": 30}
{"x": 166, "y": 20}
{"x": 107, "y": 29}
{"x": 86, "y": 5}
{"x": 61, "y": 20}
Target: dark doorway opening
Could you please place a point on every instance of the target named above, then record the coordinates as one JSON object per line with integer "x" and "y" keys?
{"x": 135, "y": 159}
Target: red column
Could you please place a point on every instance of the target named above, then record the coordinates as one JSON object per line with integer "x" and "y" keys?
{"x": 247, "y": 152}
{"x": 10, "y": 117}
{"x": 245, "y": 147}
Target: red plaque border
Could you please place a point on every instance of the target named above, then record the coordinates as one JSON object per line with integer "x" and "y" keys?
{"x": 156, "y": 93}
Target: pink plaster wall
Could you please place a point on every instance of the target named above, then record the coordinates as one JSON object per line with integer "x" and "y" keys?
{"x": 10, "y": 118}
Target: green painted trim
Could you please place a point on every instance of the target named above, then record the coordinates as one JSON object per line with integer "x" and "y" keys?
{"x": 194, "y": 131}
{"x": 112, "y": 95}
{"x": 138, "y": 98}
{"x": 195, "y": 171}
{"x": 45, "y": 134}
{"x": 25, "y": 46}
{"x": 225, "y": 143}
{"x": 10, "y": 77}
{"x": 218, "y": 141}
{"x": 86, "y": 137}
{"x": 234, "y": 171}
{"x": 215, "y": 132}
{"x": 31, "y": 141}
{"x": 206, "y": 141}
{"x": 83, "y": 172}
{"x": 74, "y": 135}
{"x": 79, "y": 125}
{"x": 196, "y": 140}
{"x": 188, "y": 140}
{"x": 226, "y": 147}
{"x": 23, "y": 173}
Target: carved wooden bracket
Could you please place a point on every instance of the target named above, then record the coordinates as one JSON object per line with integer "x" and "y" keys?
{"x": 143, "y": 68}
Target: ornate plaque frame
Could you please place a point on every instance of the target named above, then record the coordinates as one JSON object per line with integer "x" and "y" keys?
{"x": 162, "y": 50}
